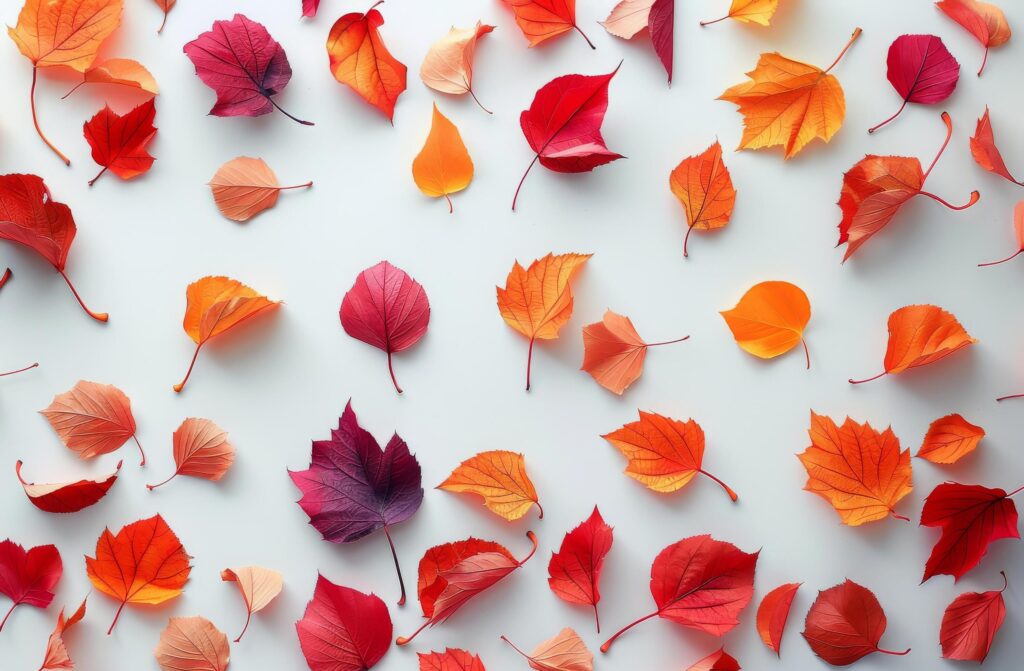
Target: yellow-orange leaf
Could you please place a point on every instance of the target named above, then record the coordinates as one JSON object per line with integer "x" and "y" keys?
{"x": 448, "y": 65}
{"x": 565, "y": 652}
{"x": 201, "y": 450}
{"x": 259, "y": 586}
{"x": 704, "y": 188}
{"x": 614, "y": 353}
{"x": 949, "y": 439}
{"x": 537, "y": 301}
{"x": 770, "y": 319}
{"x": 749, "y": 11}
{"x": 500, "y": 478}
{"x": 243, "y": 187}
{"x": 192, "y": 644}
{"x": 443, "y": 166}
{"x": 861, "y": 472}
{"x": 92, "y": 419}
{"x": 789, "y": 103}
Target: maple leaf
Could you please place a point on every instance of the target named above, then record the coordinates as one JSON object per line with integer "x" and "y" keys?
{"x": 749, "y": 11}
{"x": 452, "y": 659}
{"x": 352, "y": 488}
{"x": 120, "y": 71}
{"x": 541, "y": 20}
{"x": 244, "y": 65}
{"x": 443, "y": 166}
{"x": 922, "y": 70}
{"x": 28, "y": 577}
{"x": 258, "y": 586}
{"x": 719, "y": 660}
{"x": 93, "y": 419}
{"x": 1018, "y": 230}
{"x": 499, "y": 477}
{"x": 57, "y": 656}
{"x": 770, "y": 319}
{"x": 704, "y": 188}
{"x": 986, "y": 153}
{"x": 566, "y": 651}
{"x": 343, "y": 629}
{"x": 360, "y": 60}
{"x": 67, "y": 497}
{"x": 982, "y": 19}
{"x": 119, "y": 142}
{"x": 192, "y": 643}
{"x": 614, "y": 353}
{"x": 243, "y": 187}
{"x": 574, "y": 572}
{"x": 448, "y": 65}
{"x": 950, "y": 439}
{"x": 845, "y": 623}
{"x": 201, "y": 450}
{"x": 773, "y": 613}
{"x": 970, "y": 624}
{"x": 165, "y": 5}
{"x": 387, "y": 309}
{"x": 858, "y": 470}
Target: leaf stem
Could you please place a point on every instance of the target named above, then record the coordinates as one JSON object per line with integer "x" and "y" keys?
{"x": 984, "y": 60}
{"x": 117, "y": 615}
{"x": 1008, "y": 258}
{"x": 20, "y": 370}
{"x": 606, "y": 646}
{"x": 975, "y": 197}
{"x": 35, "y": 119}
{"x": 281, "y": 110}
{"x": 667, "y": 342}
{"x": 181, "y": 385}
{"x": 478, "y": 101}
{"x": 141, "y": 451}
{"x": 528, "y": 168}
{"x": 727, "y": 488}
{"x": 869, "y": 379}
{"x": 529, "y": 363}
{"x": 578, "y": 30}
{"x": 398, "y": 568}
{"x": 898, "y": 112}
{"x": 98, "y": 316}
{"x": 853, "y": 38}
{"x": 949, "y": 133}
{"x": 391, "y": 369}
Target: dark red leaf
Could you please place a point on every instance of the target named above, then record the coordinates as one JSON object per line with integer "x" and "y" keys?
{"x": 970, "y": 623}
{"x": 67, "y": 497}
{"x": 28, "y": 577}
{"x": 343, "y": 629}
{"x": 845, "y": 623}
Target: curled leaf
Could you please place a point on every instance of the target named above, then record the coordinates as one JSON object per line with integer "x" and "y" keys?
{"x": 500, "y": 479}
{"x": 360, "y": 60}
{"x": 258, "y": 586}
{"x": 770, "y": 319}
{"x": 704, "y": 188}
{"x": 443, "y": 166}
{"x": 192, "y": 644}
{"x": 243, "y": 187}
{"x": 93, "y": 419}
{"x": 67, "y": 497}
{"x": 201, "y": 450}
{"x": 614, "y": 353}
{"x": 448, "y": 65}
{"x": 950, "y": 439}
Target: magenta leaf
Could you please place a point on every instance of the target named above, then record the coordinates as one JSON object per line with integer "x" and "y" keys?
{"x": 661, "y": 25}
{"x": 922, "y": 70}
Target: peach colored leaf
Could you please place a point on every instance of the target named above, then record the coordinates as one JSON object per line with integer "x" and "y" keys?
{"x": 201, "y": 450}
{"x": 259, "y": 586}
{"x": 448, "y": 65}
{"x": 92, "y": 419}
{"x": 949, "y": 439}
{"x": 243, "y": 187}
{"x": 192, "y": 644}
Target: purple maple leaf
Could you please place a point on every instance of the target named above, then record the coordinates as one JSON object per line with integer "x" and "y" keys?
{"x": 352, "y": 488}
{"x": 245, "y": 66}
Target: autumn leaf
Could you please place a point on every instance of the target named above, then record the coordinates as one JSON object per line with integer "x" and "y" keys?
{"x": 565, "y": 652}
{"x": 970, "y": 517}
{"x": 343, "y": 629}
{"x": 858, "y": 470}
{"x": 452, "y": 659}
{"x": 700, "y": 583}
{"x": 30, "y": 216}
{"x": 922, "y": 70}
{"x": 360, "y": 60}
{"x": 165, "y": 5}
{"x": 120, "y": 71}
{"x": 920, "y": 335}
{"x": 443, "y": 166}
{"x": 448, "y": 65}
{"x": 704, "y": 188}
{"x": 258, "y": 586}
{"x": 352, "y": 488}
{"x": 57, "y": 656}
{"x": 770, "y": 320}
{"x": 201, "y": 450}
{"x": 214, "y": 305}
{"x": 986, "y": 153}
{"x": 749, "y": 11}
{"x": 499, "y": 478}
{"x": 1018, "y": 231}
{"x": 773, "y": 613}
{"x": 982, "y": 19}
{"x": 563, "y": 125}
{"x": 664, "y": 454}
{"x": 537, "y": 301}
{"x": 574, "y": 572}
{"x": 950, "y": 439}
{"x": 387, "y": 309}
{"x": 970, "y": 624}
{"x": 67, "y": 497}
{"x": 845, "y": 623}
{"x": 789, "y": 103}
{"x": 192, "y": 643}
{"x": 119, "y": 142}
{"x": 719, "y": 660}
{"x": 28, "y": 577}
{"x": 244, "y": 65}
{"x": 63, "y": 33}
{"x": 93, "y": 419}
{"x": 614, "y": 353}
{"x": 243, "y": 187}
{"x": 453, "y": 573}
{"x": 144, "y": 563}
{"x": 541, "y": 20}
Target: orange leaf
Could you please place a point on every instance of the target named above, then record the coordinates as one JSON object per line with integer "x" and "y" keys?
{"x": 452, "y": 659}
{"x": 704, "y": 188}
{"x": 749, "y": 11}
{"x": 773, "y": 613}
{"x": 360, "y": 60}
{"x": 500, "y": 478}
{"x": 57, "y": 656}
{"x": 215, "y": 305}
{"x": 770, "y": 319}
{"x": 920, "y": 335}
{"x": 565, "y": 652}
{"x": 664, "y": 453}
{"x": 448, "y": 65}
{"x": 144, "y": 563}
{"x": 543, "y": 19}
{"x": 537, "y": 301}
{"x": 192, "y": 644}
{"x": 950, "y": 439}
{"x": 92, "y": 419}
{"x": 120, "y": 71}
{"x": 983, "y": 20}
{"x": 259, "y": 586}
{"x": 613, "y": 352}
{"x": 861, "y": 472}
{"x": 789, "y": 103}
{"x": 243, "y": 187}
{"x": 443, "y": 166}
{"x": 986, "y": 153}
{"x": 201, "y": 450}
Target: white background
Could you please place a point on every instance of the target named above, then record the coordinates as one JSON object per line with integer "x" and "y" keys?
{"x": 283, "y": 380}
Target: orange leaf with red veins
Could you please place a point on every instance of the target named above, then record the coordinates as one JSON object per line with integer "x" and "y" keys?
{"x": 541, "y": 20}
{"x": 982, "y": 19}
{"x": 121, "y": 71}
{"x": 986, "y": 153}
{"x": 499, "y": 477}
{"x": 664, "y": 453}
{"x": 57, "y": 656}
{"x": 614, "y": 353}
{"x": 259, "y": 586}
{"x": 448, "y": 65}
{"x": 119, "y": 142}
{"x": 452, "y": 659}
{"x": 93, "y": 419}
{"x": 574, "y": 572}
{"x": 565, "y": 652}
{"x": 719, "y": 660}
{"x": 858, "y": 470}
{"x": 360, "y": 60}
{"x": 773, "y": 613}
{"x": 66, "y": 497}
{"x": 201, "y": 450}
{"x": 1018, "y": 230}
{"x": 950, "y": 439}
{"x": 192, "y": 644}
{"x": 920, "y": 335}
{"x": 704, "y": 188}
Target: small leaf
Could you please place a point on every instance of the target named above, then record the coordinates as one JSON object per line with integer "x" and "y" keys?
{"x": 499, "y": 478}
{"x": 243, "y": 187}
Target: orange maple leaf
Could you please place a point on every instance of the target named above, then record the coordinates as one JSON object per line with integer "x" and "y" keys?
{"x": 614, "y": 353}
{"x": 499, "y": 478}
{"x": 361, "y": 61}
{"x": 704, "y": 188}
{"x": 541, "y": 20}
{"x": 443, "y": 166}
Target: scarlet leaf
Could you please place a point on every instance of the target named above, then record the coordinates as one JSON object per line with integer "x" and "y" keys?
{"x": 452, "y": 659}
{"x": 770, "y": 319}
{"x": 574, "y": 572}
{"x": 970, "y": 517}
{"x": 704, "y": 188}
{"x": 201, "y": 450}
{"x": 541, "y": 20}
{"x": 970, "y": 624}
{"x": 773, "y": 613}
{"x": 614, "y": 353}
{"x": 259, "y": 586}
{"x": 119, "y": 142}
{"x": 499, "y": 477}
{"x": 243, "y": 187}
{"x": 57, "y": 656}
{"x": 448, "y": 65}
{"x": 360, "y": 60}
{"x": 28, "y": 577}
{"x": 845, "y": 623}
{"x": 719, "y": 660}
{"x": 922, "y": 70}
{"x": 982, "y": 19}
{"x": 443, "y": 166}
{"x": 700, "y": 583}
{"x": 192, "y": 644}
{"x": 949, "y": 439}
{"x": 244, "y": 65}
{"x": 565, "y": 652}
{"x": 343, "y": 629}
{"x": 352, "y": 488}
{"x": 986, "y": 153}
{"x": 92, "y": 419}
{"x": 67, "y": 497}
{"x": 387, "y": 309}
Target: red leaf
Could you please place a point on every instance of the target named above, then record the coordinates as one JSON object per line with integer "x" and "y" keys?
{"x": 387, "y": 309}
{"x": 845, "y": 623}
{"x": 971, "y": 517}
{"x": 67, "y": 497}
{"x": 719, "y": 660}
{"x": 970, "y": 623}
{"x": 28, "y": 577}
{"x": 343, "y": 629}
{"x": 922, "y": 70}
{"x": 773, "y": 613}
{"x": 119, "y": 142}
{"x": 700, "y": 583}
{"x": 563, "y": 125}
{"x": 575, "y": 570}
{"x": 661, "y": 23}
{"x": 986, "y": 153}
